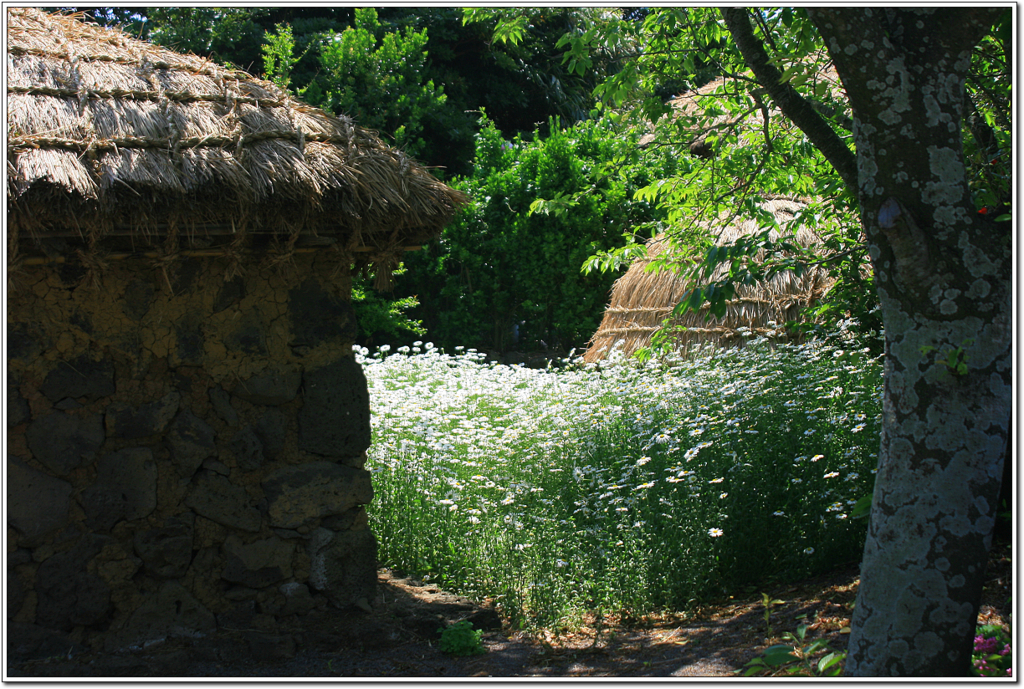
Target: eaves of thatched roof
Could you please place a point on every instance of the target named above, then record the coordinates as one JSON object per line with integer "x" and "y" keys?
{"x": 642, "y": 300}
{"x": 109, "y": 136}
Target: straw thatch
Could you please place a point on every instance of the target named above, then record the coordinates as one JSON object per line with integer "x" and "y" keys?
{"x": 115, "y": 143}
{"x": 641, "y": 300}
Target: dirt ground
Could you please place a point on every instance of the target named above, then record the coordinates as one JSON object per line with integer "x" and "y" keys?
{"x": 399, "y": 638}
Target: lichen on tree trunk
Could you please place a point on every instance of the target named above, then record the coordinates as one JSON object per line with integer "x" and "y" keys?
{"x": 943, "y": 275}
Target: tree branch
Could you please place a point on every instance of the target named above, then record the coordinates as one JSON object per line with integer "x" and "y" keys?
{"x": 792, "y": 104}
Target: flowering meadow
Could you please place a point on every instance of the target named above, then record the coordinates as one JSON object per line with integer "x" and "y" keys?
{"x": 622, "y": 488}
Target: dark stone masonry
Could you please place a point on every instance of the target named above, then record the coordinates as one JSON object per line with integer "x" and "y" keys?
{"x": 184, "y": 454}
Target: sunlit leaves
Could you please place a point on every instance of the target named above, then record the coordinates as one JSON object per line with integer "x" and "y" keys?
{"x": 364, "y": 66}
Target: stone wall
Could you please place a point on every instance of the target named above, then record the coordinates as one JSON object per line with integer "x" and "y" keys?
{"x": 184, "y": 452}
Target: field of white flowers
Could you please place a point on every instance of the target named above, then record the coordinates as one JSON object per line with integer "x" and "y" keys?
{"x": 627, "y": 488}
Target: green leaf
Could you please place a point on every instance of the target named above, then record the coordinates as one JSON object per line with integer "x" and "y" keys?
{"x": 780, "y": 654}
{"x": 862, "y": 508}
{"x": 695, "y": 300}
{"x": 831, "y": 660}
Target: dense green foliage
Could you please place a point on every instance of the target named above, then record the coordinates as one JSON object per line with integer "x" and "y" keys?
{"x": 622, "y": 489}
{"x": 379, "y": 78}
{"x": 383, "y": 318}
{"x": 503, "y": 275}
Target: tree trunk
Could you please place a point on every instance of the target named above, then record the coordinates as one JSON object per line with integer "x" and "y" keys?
{"x": 943, "y": 274}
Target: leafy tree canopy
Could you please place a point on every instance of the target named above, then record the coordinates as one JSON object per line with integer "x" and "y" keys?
{"x": 741, "y": 149}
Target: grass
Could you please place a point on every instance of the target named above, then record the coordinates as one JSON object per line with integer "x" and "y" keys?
{"x": 622, "y": 489}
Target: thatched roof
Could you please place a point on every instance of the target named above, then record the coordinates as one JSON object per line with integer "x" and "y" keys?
{"x": 111, "y": 137}
{"x": 700, "y": 121}
{"x": 642, "y": 299}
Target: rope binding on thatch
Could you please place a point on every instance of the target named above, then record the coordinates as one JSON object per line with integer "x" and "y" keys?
{"x": 642, "y": 301}
{"x": 121, "y": 146}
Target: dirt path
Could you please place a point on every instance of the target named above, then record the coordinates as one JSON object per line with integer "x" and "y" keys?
{"x": 399, "y": 638}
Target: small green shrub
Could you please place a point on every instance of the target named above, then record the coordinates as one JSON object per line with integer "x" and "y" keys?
{"x": 382, "y": 317}
{"x": 461, "y": 639}
{"x": 798, "y": 656}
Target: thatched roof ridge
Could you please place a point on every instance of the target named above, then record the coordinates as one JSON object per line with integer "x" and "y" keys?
{"x": 642, "y": 299}
{"x": 109, "y": 135}
{"x": 689, "y": 108}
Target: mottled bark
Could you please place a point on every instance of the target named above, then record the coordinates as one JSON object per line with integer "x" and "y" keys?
{"x": 943, "y": 274}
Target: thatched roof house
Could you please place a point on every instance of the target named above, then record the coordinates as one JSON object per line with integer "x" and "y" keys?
{"x": 115, "y": 144}
{"x": 186, "y": 431}
{"x": 642, "y": 299}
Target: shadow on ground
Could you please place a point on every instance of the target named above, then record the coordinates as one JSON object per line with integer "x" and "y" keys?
{"x": 399, "y": 638}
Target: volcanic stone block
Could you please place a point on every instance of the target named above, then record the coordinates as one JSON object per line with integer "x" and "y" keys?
{"x": 298, "y": 600}
{"x": 15, "y": 582}
{"x": 343, "y": 565}
{"x": 191, "y": 441}
{"x": 63, "y": 442}
{"x": 133, "y": 472}
{"x": 221, "y": 402}
{"x": 173, "y": 611}
{"x": 15, "y": 593}
{"x": 248, "y": 449}
{"x": 230, "y": 293}
{"x": 298, "y": 494}
{"x": 29, "y": 641}
{"x": 239, "y": 615}
{"x": 217, "y": 499}
{"x": 335, "y": 416}
{"x": 138, "y": 296}
{"x": 20, "y": 344}
{"x": 354, "y": 518}
{"x": 248, "y": 337}
{"x": 270, "y": 388}
{"x": 69, "y": 595}
{"x": 190, "y": 337}
{"x": 216, "y": 466}
{"x": 139, "y": 422}
{"x": 271, "y": 430}
{"x": 103, "y": 506}
{"x": 125, "y": 488}
{"x": 37, "y": 503}
{"x": 258, "y": 564}
{"x": 166, "y": 552}
{"x": 318, "y": 316}
{"x": 17, "y": 406}
{"x": 82, "y": 377}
